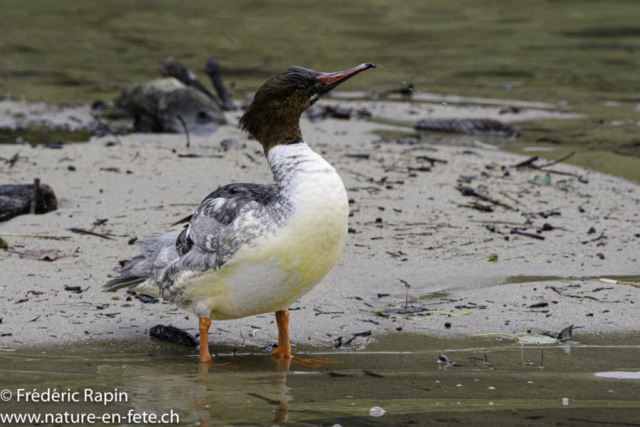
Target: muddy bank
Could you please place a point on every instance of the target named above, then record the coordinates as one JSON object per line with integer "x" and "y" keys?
{"x": 410, "y": 223}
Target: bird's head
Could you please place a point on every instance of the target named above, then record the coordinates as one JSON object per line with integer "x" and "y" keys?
{"x": 274, "y": 114}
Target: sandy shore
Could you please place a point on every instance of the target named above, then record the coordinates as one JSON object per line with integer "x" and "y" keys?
{"x": 408, "y": 224}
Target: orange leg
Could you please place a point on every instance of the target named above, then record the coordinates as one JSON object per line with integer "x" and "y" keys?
{"x": 284, "y": 345}
{"x": 205, "y": 356}
{"x": 282, "y": 354}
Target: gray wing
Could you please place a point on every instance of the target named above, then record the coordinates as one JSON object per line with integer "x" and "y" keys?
{"x": 224, "y": 221}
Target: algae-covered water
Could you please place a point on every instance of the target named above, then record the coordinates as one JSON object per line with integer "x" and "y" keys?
{"x": 395, "y": 381}
{"x": 579, "y": 55}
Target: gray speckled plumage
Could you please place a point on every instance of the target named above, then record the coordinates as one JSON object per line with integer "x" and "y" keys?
{"x": 228, "y": 218}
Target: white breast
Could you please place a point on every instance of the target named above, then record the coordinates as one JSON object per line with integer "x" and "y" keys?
{"x": 283, "y": 266}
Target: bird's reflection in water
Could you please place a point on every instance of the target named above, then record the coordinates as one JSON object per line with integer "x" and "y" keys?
{"x": 275, "y": 392}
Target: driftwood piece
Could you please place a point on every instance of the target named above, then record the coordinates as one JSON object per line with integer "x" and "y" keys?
{"x": 212, "y": 68}
{"x": 174, "y": 68}
{"x": 156, "y": 105}
{"x": 22, "y": 199}
{"x": 406, "y": 89}
{"x": 468, "y": 127}
{"x": 320, "y": 112}
{"x": 173, "y": 335}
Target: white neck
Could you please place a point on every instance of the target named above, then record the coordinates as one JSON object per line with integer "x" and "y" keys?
{"x": 296, "y": 162}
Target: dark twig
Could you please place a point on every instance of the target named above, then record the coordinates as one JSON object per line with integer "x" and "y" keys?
{"x": 212, "y": 68}
{"x": 530, "y": 163}
{"x": 12, "y": 161}
{"x": 406, "y": 285}
{"x": 35, "y": 198}
{"x": 526, "y": 163}
{"x": 431, "y": 160}
{"x": 568, "y": 156}
{"x": 92, "y": 233}
{"x": 468, "y": 191}
{"x": 601, "y": 236}
{"x": 319, "y": 312}
{"x": 522, "y": 233}
{"x": 197, "y": 156}
{"x": 186, "y": 129}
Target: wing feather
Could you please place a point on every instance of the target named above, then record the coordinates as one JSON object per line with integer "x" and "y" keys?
{"x": 224, "y": 221}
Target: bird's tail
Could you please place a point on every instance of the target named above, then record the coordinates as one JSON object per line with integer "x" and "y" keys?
{"x": 158, "y": 252}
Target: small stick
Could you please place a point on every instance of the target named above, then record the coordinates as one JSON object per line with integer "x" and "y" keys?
{"x": 35, "y": 197}
{"x": 431, "y": 160}
{"x": 501, "y": 222}
{"x": 422, "y": 313}
{"x": 319, "y": 312}
{"x": 406, "y": 285}
{"x": 510, "y": 198}
{"x": 568, "y": 156}
{"x": 486, "y": 198}
{"x": 92, "y": 233}
{"x": 197, "y": 156}
{"x": 12, "y": 161}
{"x": 186, "y": 129}
{"x": 528, "y": 162}
{"x": 37, "y": 236}
{"x": 522, "y": 233}
{"x": 602, "y": 236}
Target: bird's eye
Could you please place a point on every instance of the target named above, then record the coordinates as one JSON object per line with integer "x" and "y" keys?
{"x": 301, "y": 87}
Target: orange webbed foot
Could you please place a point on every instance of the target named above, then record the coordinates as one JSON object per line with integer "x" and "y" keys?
{"x": 280, "y": 353}
{"x": 205, "y": 358}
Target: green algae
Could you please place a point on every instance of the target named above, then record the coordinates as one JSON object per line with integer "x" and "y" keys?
{"x": 44, "y": 135}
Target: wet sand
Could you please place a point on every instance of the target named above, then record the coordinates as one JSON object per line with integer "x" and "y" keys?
{"x": 407, "y": 225}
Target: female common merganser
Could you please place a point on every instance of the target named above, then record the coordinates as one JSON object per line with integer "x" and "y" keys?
{"x": 249, "y": 248}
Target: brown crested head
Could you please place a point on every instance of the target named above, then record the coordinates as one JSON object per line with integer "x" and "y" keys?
{"x": 274, "y": 114}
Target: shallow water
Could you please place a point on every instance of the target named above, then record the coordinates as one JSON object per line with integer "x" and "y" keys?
{"x": 574, "y": 55}
{"x": 496, "y": 382}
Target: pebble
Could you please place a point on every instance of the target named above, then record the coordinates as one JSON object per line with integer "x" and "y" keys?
{"x": 376, "y": 411}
